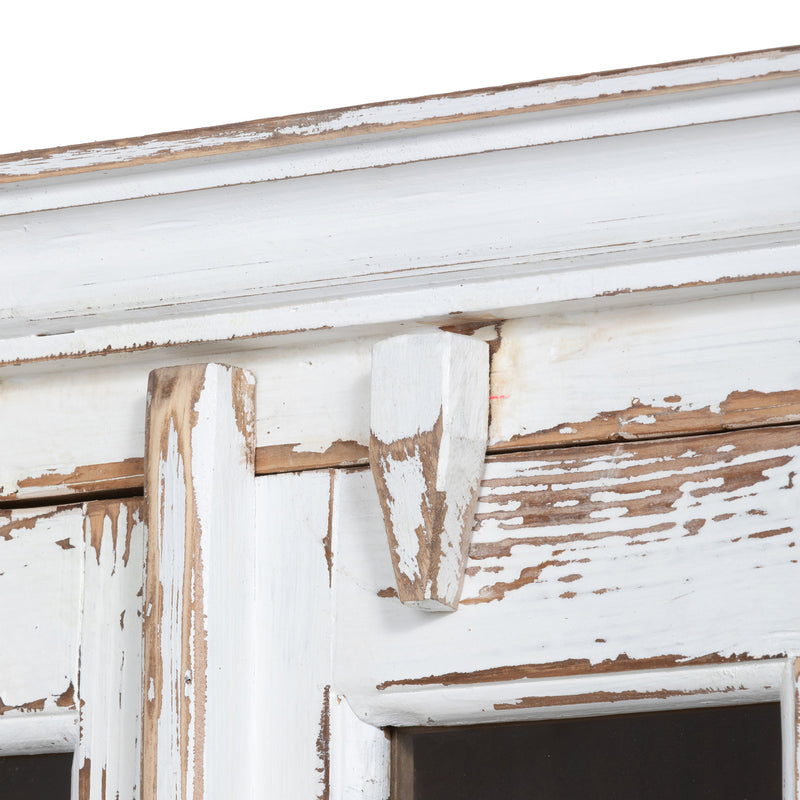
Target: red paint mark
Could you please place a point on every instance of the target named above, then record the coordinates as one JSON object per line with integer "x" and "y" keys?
{"x": 499, "y": 396}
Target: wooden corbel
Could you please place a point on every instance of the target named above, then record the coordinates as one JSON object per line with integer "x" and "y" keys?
{"x": 429, "y": 420}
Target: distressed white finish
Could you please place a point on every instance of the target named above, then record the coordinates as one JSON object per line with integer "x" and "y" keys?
{"x": 107, "y": 761}
{"x": 636, "y": 275}
{"x": 583, "y": 561}
{"x": 308, "y": 741}
{"x": 540, "y": 374}
{"x": 360, "y": 756}
{"x": 665, "y": 96}
{"x": 579, "y": 695}
{"x": 649, "y": 370}
{"x": 790, "y": 713}
{"x": 40, "y": 579}
{"x": 429, "y": 418}
{"x": 200, "y": 584}
{"x": 501, "y": 233}
{"x": 40, "y": 732}
{"x": 545, "y": 124}
{"x": 293, "y": 633}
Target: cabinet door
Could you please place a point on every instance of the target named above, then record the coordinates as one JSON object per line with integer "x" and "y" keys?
{"x": 71, "y": 666}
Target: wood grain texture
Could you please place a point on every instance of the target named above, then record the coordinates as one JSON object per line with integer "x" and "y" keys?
{"x": 199, "y": 594}
{"x": 40, "y": 580}
{"x": 697, "y": 207}
{"x": 719, "y": 364}
{"x": 309, "y": 743}
{"x": 417, "y": 113}
{"x": 634, "y": 358}
{"x": 429, "y": 415}
{"x": 590, "y": 560}
{"x": 107, "y": 763}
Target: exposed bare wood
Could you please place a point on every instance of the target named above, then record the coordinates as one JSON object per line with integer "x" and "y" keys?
{"x": 396, "y": 115}
{"x": 635, "y": 227}
{"x": 429, "y": 417}
{"x": 272, "y": 459}
{"x": 199, "y": 463}
{"x": 107, "y": 762}
{"x": 585, "y": 561}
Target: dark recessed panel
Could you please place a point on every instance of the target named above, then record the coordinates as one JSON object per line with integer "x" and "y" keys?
{"x": 41, "y": 777}
{"x": 731, "y": 753}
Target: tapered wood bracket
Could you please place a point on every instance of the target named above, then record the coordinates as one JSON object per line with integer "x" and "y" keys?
{"x": 429, "y": 420}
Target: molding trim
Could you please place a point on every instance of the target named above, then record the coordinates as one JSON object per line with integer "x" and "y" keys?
{"x": 402, "y": 114}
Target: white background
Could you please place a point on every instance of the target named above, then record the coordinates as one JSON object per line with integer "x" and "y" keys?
{"x": 85, "y": 70}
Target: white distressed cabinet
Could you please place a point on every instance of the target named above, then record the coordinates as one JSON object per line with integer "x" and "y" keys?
{"x": 197, "y": 587}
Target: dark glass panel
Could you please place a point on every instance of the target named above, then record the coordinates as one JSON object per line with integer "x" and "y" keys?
{"x": 40, "y": 777}
{"x": 731, "y": 753}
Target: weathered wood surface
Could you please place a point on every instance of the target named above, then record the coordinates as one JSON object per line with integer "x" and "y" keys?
{"x": 649, "y": 371}
{"x": 308, "y": 741}
{"x": 40, "y": 594}
{"x": 632, "y": 358}
{"x": 198, "y": 637}
{"x": 589, "y": 560}
{"x": 502, "y": 232}
{"x": 429, "y": 419}
{"x": 417, "y": 114}
{"x": 790, "y": 727}
{"x": 107, "y": 762}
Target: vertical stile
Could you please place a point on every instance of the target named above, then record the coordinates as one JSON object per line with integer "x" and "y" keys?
{"x": 199, "y": 585}
{"x": 107, "y": 762}
{"x": 790, "y": 719}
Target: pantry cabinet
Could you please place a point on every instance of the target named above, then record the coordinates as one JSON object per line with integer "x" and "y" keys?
{"x": 197, "y": 583}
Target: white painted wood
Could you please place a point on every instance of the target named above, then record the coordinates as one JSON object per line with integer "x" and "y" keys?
{"x": 293, "y": 671}
{"x": 545, "y": 124}
{"x": 40, "y": 732}
{"x": 200, "y": 584}
{"x": 586, "y": 560}
{"x": 40, "y": 578}
{"x": 500, "y": 232}
{"x": 107, "y": 761}
{"x": 571, "y": 376}
{"x": 789, "y": 717}
{"x": 648, "y": 370}
{"x": 360, "y": 754}
{"x": 669, "y": 94}
{"x": 308, "y": 741}
{"x": 581, "y": 695}
{"x": 429, "y": 419}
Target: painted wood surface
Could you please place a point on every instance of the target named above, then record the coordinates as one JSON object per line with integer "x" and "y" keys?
{"x": 418, "y": 113}
{"x": 634, "y": 373}
{"x": 429, "y": 419}
{"x": 635, "y": 359}
{"x": 790, "y": 713}
{"x": 40, "y": 580}
{"x": 309, "y": 743}
{"x": 198, "y": 627}
{"x": 584, "y": 561}
{"x": 107, "y": 763}
{"x": 503, "y": 233}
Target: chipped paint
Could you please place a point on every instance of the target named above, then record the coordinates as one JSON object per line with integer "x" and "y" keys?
{"x": 429, "y": 412}
{"x": 606, "y": 697}
{"x": 110, "y": 673}
{"x": 192, "y": 410}
{"x": 421, "y": 112}
{"x": 574, "y": 666}
{"x": 323, "y": 745}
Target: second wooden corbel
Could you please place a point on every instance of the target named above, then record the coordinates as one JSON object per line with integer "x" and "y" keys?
{"x": 429, "y": 421}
